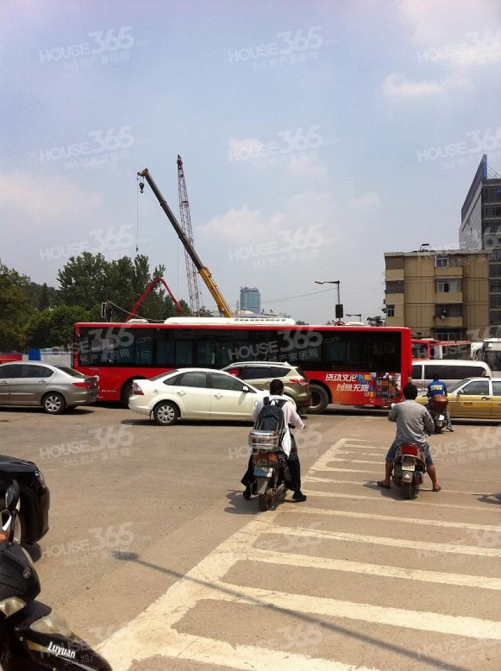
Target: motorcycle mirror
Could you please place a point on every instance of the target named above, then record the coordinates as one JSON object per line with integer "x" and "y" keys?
{"x": 12, "y": 496}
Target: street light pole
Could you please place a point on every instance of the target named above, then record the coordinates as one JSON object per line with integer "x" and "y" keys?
{"x": 339, "y": 307}
{"x": 355, "y": 314}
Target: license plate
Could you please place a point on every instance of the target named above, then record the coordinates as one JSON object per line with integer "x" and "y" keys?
{"x": 263, "y": 472}
{"x": 409, "y": 467}
{"x": 441, "y": 418}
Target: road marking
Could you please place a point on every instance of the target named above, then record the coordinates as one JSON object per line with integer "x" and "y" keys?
{"x": 314, "y": 478}
{"x": 333, "y": 469}
{"x": 155, "y": 631}
{"x": 428, "y": 547}
{"x": 389, "y": 518}
{"x": 388, "y": 499}
{"x": 324, "y": 563}
{"x": 456, "y": 625}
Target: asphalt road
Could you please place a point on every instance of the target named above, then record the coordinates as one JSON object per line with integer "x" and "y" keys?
{"x": 154, "y": 555}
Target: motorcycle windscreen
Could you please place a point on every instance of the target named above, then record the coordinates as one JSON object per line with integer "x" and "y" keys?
{"x": 44, "y": 641}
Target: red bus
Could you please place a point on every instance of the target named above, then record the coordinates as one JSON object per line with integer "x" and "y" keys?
{"x": 430, "y": 348}
{"x": 350, "y": 365}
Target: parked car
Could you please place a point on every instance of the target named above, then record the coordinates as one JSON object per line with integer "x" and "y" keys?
{"x": 261, "y": 373}
{"x": 33, "y": 520}
{"x": 194, "y": 393}
{"x": 54, "y": 388}
{"x": 474, "y": 397}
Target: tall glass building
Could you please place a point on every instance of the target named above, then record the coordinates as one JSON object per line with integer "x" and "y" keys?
{"x": 250, "y": 299}
{"x": 481, "y": 229}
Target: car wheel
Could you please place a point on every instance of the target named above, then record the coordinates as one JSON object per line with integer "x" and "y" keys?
{"x": 165, "y": 413}
{"x": 53, "y": 403}
{"x": 319, "y": 400}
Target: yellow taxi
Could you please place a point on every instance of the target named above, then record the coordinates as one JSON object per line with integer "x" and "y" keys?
{"x": 473, "y": 397}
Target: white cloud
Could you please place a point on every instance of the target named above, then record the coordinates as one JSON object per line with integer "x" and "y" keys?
{"x": 240, "y": 226}
{"x": 396, "y": 87}
{"x": 242, "y": 150}
{"x": 307, "y": 170}
{"x": 46, "y": 200}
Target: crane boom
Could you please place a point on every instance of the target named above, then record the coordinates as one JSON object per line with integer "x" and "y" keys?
{"x": 184, "y": 213}
{"x": 154, "y": 282}
{"x": 205, "y": 274}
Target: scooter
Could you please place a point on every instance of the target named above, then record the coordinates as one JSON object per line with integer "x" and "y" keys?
{"x": 409, "y": 467}
{"x": 437, "y": 411}
{"x": 33, "y": 636}
{"x": 270, "y": 467}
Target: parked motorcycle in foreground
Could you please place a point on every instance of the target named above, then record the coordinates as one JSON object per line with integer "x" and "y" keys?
{"x": 33, "y": 636}
{"x": 438, "y": 409}
{"x": 270, "y": 467}
{"x": 409, "y": 467}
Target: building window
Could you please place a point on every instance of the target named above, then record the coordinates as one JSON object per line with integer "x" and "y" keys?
{"x": 448, "y": 334}
{"x": 495, "y": 302}
{"x": 495, "y": 270}
{"x": 390, "y": 310}
{"x": 447, "y": 310}
{"x": 495, "y": 285}
{"x": 448, "y": 286}
{"x": 395, "y": 287}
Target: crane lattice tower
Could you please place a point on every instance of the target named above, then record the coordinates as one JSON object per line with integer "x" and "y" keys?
{"x": 184, "y": 210}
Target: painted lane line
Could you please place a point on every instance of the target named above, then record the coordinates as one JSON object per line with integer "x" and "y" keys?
{"x": 426, "y": 546}
{"x": 332, "y": 469}
{"x": 387, "y": 499}
{"x": 324, "y": 563}
{"x": 389, "y": 518}
{"x": 457, "y": 625}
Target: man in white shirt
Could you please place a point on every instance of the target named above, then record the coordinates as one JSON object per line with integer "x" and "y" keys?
{"x": 288, "y": 443}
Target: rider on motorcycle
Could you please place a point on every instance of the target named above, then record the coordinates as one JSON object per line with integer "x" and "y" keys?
{"x": 439, "y": 388}
{"x": 288, "y": 444}
{"x": 414, "y": 423}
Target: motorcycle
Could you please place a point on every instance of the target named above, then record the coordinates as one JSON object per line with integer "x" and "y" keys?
{"x": 32, "y": 635}
{"x": 409, "y": 467}
{"x": 438, "y": 409}
{"x": 270, "y": 467}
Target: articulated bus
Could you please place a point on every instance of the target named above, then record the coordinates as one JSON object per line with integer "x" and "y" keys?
{"x": 349, "y": 365}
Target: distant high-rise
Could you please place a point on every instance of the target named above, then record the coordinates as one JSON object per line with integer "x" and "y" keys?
{"x": 481, "y": 229}
{"x": 250, "y": 299}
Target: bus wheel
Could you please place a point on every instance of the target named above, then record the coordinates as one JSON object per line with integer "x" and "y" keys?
{"x": 127, "y": 392}
{"x": 319, "y": 400}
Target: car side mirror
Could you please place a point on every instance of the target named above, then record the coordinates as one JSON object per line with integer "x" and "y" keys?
{"x": 246, "y": 389}
{"x": 460, "y": 391}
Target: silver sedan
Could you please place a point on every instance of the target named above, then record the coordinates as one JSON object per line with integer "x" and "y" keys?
{"x": 54, "y": 388}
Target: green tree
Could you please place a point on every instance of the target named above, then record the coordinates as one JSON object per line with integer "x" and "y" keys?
{"x": 89, "y": 280}
{"x": 15, "y": 308}
{"x": 54, "y": 327}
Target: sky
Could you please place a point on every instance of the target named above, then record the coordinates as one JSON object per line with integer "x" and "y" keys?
{"x": 315, "y": 137}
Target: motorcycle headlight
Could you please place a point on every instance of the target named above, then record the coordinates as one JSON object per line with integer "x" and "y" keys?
{"x": 52, "y": 624}
{"x": 11, "y": 605}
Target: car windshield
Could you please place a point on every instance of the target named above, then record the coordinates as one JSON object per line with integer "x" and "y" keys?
{"x": 456, "y": 385}
{"x": 70, "y": 371}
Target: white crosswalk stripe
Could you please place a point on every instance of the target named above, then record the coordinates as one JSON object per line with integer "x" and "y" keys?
{"x": 158, "y": 631}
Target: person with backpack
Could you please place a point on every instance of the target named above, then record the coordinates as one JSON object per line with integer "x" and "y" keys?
{"x": 282, "y": 420}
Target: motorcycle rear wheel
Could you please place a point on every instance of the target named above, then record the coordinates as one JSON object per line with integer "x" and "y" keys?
{"x": 265, "y": 500}
{"x": 407, "y": 490}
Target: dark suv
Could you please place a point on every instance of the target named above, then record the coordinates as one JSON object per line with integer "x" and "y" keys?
{"x": 261, "y": 373}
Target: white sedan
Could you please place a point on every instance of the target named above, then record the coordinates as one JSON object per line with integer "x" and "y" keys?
{"x": 194, "y": 393}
